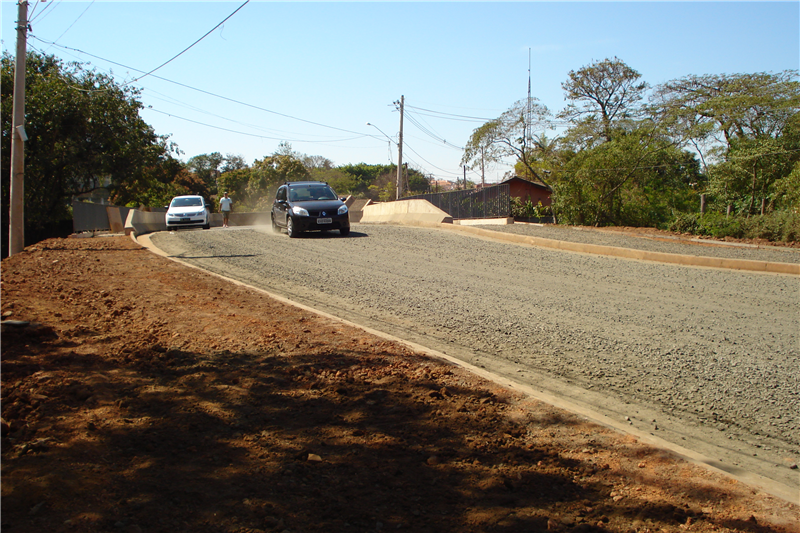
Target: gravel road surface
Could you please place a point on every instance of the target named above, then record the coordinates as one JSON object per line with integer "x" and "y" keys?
{"x": 704, "y": 358}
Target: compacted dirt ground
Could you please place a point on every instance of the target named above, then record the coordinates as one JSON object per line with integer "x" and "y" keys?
{"x": 140, "y": 395}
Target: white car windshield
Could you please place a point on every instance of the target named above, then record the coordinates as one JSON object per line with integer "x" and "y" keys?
{"x": 187, "y": 202}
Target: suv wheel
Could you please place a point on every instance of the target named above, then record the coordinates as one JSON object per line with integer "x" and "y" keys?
{"x": 275, "y": 226}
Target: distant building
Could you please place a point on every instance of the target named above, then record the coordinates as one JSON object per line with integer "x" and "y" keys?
{"x": 529, "y": 191}
{"x": 442, "y": 186}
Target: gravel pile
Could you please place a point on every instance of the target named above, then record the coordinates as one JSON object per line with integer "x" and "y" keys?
{"x": 713, "y": 349}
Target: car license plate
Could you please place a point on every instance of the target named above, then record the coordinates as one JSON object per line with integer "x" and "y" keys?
{"x": 185, "y": 219}
{"x": 324, "y": 221}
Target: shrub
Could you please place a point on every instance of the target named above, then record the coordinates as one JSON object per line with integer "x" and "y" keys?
{"x": 780, "y": 226}
{"x": 685, "y": 223}
{"x": 528, "y": 210}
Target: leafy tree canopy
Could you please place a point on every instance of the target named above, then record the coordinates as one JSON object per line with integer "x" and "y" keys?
{"x": 729, "y": 106}
{"x": 508, "y": 137}
{"x": 205, "y": 167}
{"x": 602, "y": 96}
{"x": 747, "y": 124}
{"x": 84, "y": 133}
{"x": 635, "y": 179}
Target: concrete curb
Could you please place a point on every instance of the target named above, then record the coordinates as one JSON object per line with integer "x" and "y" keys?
{"x": 611, "y": 251}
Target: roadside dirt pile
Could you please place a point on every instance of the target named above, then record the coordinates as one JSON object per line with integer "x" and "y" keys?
{"x": 147, "y": 396}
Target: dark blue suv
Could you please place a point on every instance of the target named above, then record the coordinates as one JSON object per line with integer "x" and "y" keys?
{"x": 309, "y": 206}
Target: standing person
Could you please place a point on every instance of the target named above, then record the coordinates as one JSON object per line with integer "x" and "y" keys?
{"x": 225, "y": 204}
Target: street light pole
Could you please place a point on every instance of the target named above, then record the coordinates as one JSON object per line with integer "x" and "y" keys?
{"x": 389, "y": 138}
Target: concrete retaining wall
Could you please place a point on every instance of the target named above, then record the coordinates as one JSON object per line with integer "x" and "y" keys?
{"x": 141, "y": 222}
{"x": 404, "y": 211}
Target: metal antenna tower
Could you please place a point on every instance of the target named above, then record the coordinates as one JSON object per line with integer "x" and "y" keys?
{"x": 528, "y": 117}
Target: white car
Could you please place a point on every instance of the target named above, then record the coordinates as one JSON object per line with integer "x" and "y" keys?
{"x": 188, "y": 212}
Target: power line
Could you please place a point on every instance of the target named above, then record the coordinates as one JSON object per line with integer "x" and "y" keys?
{"x": 441, "y": 114}
{"x": 203, "y": 91}
{"x": 431, "y": 164}
{"x": 49, "y": 8}
{"x": 171, "y": 115}
{"x": 75, "y": 21}
{"x": 170, "y": 100}
{"x": 191, "y": 45}
{"x": 415, "y": 121}
{"x": 430, "y": 133}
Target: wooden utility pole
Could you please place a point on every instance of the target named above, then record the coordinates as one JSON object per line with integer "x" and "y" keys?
{"x": 483, "y": 172}
{"x": 16, "y": 218}
{"x": 400, "y": 150}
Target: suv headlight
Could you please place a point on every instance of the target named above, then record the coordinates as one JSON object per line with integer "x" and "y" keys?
{"x": 342, "y": 210}
{"x": 299, "y": 211}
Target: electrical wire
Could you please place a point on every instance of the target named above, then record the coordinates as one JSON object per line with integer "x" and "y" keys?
{"x": 171, "y": 115}
{"x": 32, "y": 17}
{"x": 449, "y": 116}
{"x": 204, "y": 91}
{"x": 191, "y": 45}
{"x": 168, "y": 99}
{"x": 76, "y": 20}
{"x": 426, "y": 130}
{"x": 359, "y": 135}
{"x": 406, "y": 146}
{"x": 430, "y": 133}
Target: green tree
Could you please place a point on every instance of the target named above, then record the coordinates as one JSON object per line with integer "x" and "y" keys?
{"x": 747, "y": 175}
{"x": 340, "y": 181}
{"x": 508, "y": 137}
{"x": 233, "y": 162}
{"x": 726, "y": 107}
{"x": 84, "y": 133}
{"x": 603, "y": 97}
{"x": 547, "y": 156}
{"x": 268, "y": 173}
{"x": 235, "y": 183}
{"x": 365, "y": 176}
{"x": 156, "y": 185}
{"x": 417, "y": 182}
{"x": 633, "y": 180}
{"x": 316, "y": 162}
{"x": 206, "y": 168}
{"x": 746, "y": 124}
{"x": 787, "y": 191}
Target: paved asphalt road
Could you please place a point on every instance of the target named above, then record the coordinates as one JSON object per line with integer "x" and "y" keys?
{"x": 703, "y": 358}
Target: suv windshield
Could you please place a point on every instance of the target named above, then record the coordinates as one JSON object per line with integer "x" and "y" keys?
{"x": 312, "y": 192}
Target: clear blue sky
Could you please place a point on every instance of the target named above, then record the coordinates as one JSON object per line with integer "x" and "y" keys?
{"x": 313, "y": 74}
